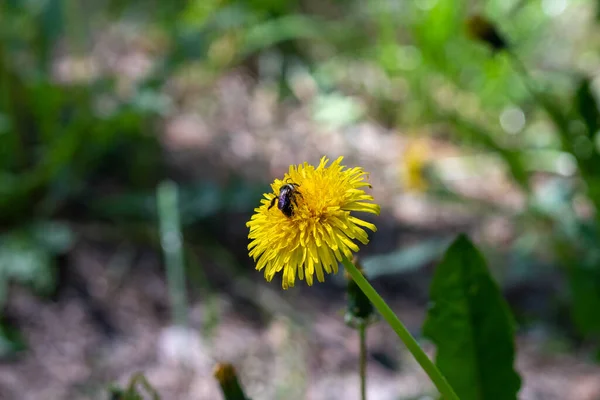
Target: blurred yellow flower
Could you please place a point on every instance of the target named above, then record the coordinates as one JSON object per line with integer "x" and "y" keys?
{"x": 414, "y": 160}
{"x": 320, "y": 230}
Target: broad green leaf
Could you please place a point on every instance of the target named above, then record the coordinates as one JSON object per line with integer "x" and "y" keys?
{"x": 472, "y": 327}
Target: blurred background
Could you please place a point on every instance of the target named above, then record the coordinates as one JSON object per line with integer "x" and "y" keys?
{"x": 136, "y": 138}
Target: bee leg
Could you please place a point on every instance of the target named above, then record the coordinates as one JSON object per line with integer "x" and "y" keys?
{"x": 272, "y": 202}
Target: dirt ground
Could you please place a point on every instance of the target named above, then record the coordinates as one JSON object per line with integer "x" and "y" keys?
{"x": 286, "y": 345}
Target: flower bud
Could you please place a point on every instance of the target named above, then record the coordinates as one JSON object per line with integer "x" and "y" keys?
{"x": 359, "y": 308}
{"x": 230, "y": 385}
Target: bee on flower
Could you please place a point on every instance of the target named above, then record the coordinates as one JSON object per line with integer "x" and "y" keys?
{"x": 313, "y": 226}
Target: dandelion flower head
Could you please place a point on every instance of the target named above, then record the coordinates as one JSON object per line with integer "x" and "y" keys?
{"x": 414, "y": 161}
{"x": 320, "y": 231}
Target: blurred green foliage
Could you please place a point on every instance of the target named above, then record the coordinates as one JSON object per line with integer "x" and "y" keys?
{"x": 58, "y": 140}
{"x": 26, "y": 255}
{"x": 138, "y": 389}
{"x": 59, "y": 147}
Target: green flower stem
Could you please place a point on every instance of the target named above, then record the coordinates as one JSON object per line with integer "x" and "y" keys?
{"x": 411, "y": 344}
{"x": 362, "y": 332}
{"x": 167, "y": 194}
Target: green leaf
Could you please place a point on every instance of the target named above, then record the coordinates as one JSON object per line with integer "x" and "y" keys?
{"x": 436, "y": 27}
{"x": 585, "y": 292}
{"x": 587, "y": 106}
{"x": 11, "y": 340}
{"x": 472, "y": 327}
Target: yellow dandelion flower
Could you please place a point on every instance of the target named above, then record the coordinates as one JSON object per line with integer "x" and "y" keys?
{"x": 415, "y": 159}
{"x": 320, "y": 230}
